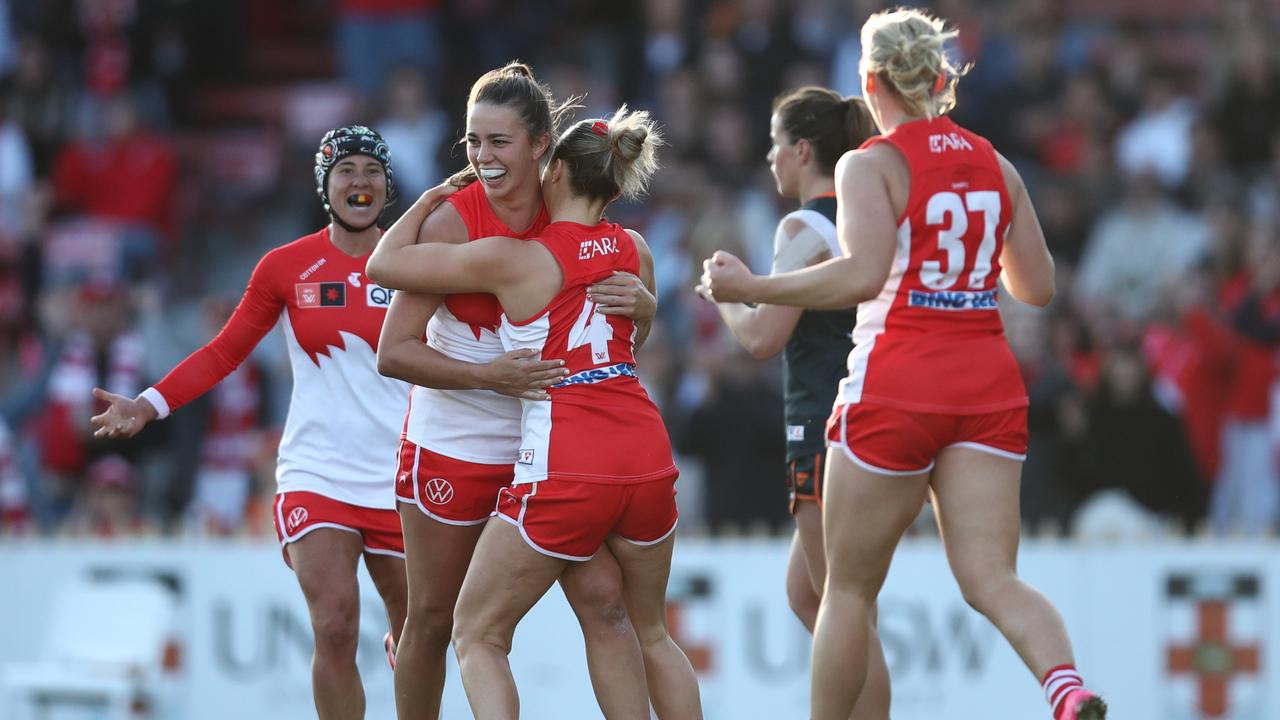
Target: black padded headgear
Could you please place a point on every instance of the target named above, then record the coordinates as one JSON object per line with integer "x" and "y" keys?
{"x": 346, "y": 141}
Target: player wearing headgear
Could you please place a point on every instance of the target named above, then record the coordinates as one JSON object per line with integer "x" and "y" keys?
{"x": 929, "y": 216}
{"x": 594, "y": 467}
{"x": 335, "y": 499}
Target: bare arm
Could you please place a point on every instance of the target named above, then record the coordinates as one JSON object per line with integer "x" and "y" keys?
{"x": 628, "y": 295}
{"x": 402, "y": 354}
{"x": 389, "y": 265}
{"x": 865, "y": 222}
{"x": 1028, "y": 266}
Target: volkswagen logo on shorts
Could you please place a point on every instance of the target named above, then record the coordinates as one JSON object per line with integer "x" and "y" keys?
{"x": 297, "y": 516}
{"x": 439, "y": 491}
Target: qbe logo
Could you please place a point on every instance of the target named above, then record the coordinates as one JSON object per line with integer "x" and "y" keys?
{"x": 378, "y": 296}
{"x": 439, "y": 491}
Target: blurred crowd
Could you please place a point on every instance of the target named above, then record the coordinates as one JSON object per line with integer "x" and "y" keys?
{"x": 152, "y": 150}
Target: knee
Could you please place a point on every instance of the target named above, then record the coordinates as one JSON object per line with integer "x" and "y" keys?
{"x": 984, "y": 594}
{"x": 470, "y": 631}
{"x": 431, "y": 624}
{"x": 599, "y": 604}
{"x": 336, "y": 625}
{"x": 803, "y": 601}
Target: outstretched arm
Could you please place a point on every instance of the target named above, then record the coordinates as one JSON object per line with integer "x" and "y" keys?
{"x": 865, "y": 222}
{"x": 257, "y": 313}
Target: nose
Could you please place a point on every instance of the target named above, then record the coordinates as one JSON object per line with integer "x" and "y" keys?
{"x": 484, "y": 153}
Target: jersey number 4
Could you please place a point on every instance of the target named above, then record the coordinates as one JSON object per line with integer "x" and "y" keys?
{"x": 952, "y": 210}
{"x": 592, "y": 329}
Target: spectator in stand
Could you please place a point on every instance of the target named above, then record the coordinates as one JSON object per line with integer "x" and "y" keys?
{"x": 17, "y": 178}
{"x": 733, "y": 432}
{"x": 15, "y": 500}
{"x": 1245, "y": 114}
{"x": 376, "y": 36}
{"x": 108, "y": 507}
{"x": 1158, "y": 140}
{"x": 1135, "y": 445}
{"x": 416, "y": 128}
{"x": 227, "y": 424}
{"x": 1246, "y": 498}
{"x": 1135, "y": 251}
{"x": 128, "y": 176}
{"x": 102, "y": 349}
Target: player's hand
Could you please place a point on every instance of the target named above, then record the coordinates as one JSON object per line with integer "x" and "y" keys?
{"x": 519, "y": 374}
{"x": 623, "y": 294}
{"x": 725, "y": 278}
{"x": 123, "y": 418}
{"x": 436, "y": 195}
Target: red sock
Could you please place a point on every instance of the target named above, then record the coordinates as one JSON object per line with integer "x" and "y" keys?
{"x": 1057, "y": 683}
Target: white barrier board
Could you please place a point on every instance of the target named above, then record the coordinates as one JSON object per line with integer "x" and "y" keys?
{"x": 1167, "y": 632}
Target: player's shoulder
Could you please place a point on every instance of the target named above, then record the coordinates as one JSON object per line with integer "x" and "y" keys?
{"x": 296, "y": 251}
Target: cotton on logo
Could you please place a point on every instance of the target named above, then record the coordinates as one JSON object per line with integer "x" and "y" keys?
{"x": 439, "y": 491}
{"x": 297, "y": 516}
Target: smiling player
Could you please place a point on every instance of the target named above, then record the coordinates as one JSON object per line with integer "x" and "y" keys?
{"x": 335, "y": 498}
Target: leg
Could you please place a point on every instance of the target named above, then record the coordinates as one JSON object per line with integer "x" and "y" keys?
{"x": 864, "y": 515}
{"x": 594, "y": 591}
{"x": 976, "y": 501}
{"x": 805, "y": 592}
{"x": 505, "y": 580}
{"x": 388, "y": 573}
{"x": 436, "y": 560}
{"x": 325, "y": 562}
{"x": 803, "y": 584}
{"x": 673, "y": 686}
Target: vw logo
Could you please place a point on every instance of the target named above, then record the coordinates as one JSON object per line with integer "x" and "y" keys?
{"x": 439, "y": 491}
{"x": 297, "y": 516}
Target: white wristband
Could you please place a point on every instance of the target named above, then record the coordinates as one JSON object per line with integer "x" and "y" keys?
{"x": 157, "y": 401}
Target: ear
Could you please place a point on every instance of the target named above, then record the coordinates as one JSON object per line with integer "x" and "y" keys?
{"x": 557, "y": 170}
{"x": 804, "y": 150}
{"x": 871, "y": 83}
{"x": 540, "y": 145}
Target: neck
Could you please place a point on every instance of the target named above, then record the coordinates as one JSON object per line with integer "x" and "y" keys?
{"x": 354, "y": 244}
{"x": 518, "y": 208}
{"x": 581, "y": 210}
{"x": 815, "y": 185}
{"x": 892, "y": 115}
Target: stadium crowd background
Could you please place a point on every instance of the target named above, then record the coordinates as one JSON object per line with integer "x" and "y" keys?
{"x": 152, "y": 150}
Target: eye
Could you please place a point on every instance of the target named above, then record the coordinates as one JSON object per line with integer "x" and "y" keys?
{"x": 501, "y": 143}
{"x": 473, "y": 142}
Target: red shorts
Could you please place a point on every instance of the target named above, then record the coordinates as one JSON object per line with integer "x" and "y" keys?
{"x": 298, "y": 513}
{"x": 454, "y": 492}
{"x": 889, "y": 441}
{"x": 570, "y": 520}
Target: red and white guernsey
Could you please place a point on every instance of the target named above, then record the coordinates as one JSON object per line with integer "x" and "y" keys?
{"x": 344, "y": 418}
{"x": 478, "y": 426}
{"x": 932, "y": 341}
{"x": 599, "y": 425}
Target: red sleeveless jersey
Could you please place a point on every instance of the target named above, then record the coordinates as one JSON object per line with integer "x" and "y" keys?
{"x": 599, "y": 425}
{"x": 932, "y": 341}
{"x": 481, "y": 310}
{"x": 478, "y": 426}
